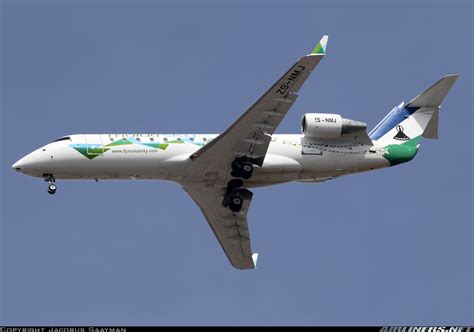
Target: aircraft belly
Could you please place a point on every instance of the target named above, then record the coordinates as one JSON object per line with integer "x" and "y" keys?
{"x": 276, "y": 168}
{"x": 336, "y": 164}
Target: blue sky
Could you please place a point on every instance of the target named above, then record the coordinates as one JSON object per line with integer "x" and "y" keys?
{"x": 392, "y": 246}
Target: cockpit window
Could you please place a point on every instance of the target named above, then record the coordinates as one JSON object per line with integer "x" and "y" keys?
{"x": 65, "y": 138}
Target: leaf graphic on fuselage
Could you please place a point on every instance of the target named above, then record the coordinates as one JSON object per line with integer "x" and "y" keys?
{"x": 123, "y": 141}
{"x": 90, "y": 152}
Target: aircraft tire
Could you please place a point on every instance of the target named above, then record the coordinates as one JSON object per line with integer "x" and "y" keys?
{"x": 52, "y": 188}
{"x": 235, "y": 204}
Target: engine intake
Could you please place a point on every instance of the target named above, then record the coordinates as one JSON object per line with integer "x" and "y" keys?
{"x": 325, "y": 125}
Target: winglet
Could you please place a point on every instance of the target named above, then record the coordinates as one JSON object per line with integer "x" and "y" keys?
{"x": 254, "y": 258}
{"x": 321, "y": 47}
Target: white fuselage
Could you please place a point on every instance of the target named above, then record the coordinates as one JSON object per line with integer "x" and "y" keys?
{"x": 166, "y": 157}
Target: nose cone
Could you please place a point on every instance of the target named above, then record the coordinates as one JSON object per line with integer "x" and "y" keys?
{"x": 18, "y": 165}
{"x": 33, "y": 164}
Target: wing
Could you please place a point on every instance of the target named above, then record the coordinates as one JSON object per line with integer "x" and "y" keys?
{"x": 250, "y": 135}
{"x": 207, "y": 177}
{"x": 230, "y": 228}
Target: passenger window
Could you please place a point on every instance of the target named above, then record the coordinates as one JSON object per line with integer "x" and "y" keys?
{"x": 152, "y": 139}
{"x": 165, "y": 139}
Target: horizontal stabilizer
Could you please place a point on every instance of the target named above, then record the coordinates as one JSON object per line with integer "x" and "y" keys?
{"x": 434, "y": 95}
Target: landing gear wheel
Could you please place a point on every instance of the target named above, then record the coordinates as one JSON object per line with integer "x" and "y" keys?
{"x": 236, "y": 200}
{"x": 52, "y": 188}
{"x": 247, "y": 167}
{"x": 51, "y": 183}
{"x": 225, "y": 201}
{"x": 234, "y": 184}
{"x": 247, "y": 170}
{"x": 235, "y": 204}
{"x": 241, "y": 168}
{"x": 236, "y": 164}
{"x": 236, "y": 173}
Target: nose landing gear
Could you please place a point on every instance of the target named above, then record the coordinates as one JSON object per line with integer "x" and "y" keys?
{"x": 51, "y": 188}
{"x": 51, "y": 184}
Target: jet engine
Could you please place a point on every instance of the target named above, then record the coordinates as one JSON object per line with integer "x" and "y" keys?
{"x": 322, "y": 125}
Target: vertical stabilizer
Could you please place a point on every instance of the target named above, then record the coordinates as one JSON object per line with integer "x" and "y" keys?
{"x": 416, "y": 118}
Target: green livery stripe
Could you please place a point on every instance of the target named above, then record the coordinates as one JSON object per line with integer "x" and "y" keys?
{"x": 85, "y": 152}
{"x": 97, "y": 151}
{"x": 401, "y": 153}
{"x": 119, "y": 142}
{"x": 413, "y": 142}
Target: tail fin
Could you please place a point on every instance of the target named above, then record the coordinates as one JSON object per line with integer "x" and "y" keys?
{"x": 407, "y": 122}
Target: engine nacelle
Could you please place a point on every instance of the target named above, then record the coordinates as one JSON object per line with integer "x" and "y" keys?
{"x": 322, "y": 125}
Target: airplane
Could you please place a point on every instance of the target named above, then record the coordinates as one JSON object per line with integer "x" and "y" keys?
{"x": 218, "y": 171}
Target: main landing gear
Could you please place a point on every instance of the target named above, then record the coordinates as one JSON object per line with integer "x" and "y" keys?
{"x": 51, "y": 183}
{"x": 234, "y": 197}
{"x": 242, "y": 168}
